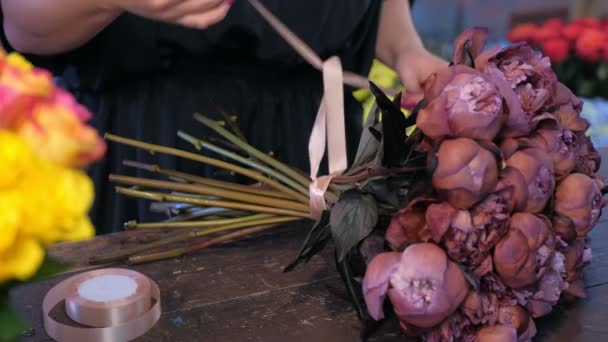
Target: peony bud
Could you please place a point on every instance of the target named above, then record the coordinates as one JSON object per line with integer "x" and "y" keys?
{"x": 511, "y": 178}
{"x": 537, "y": 169}
{"x": 455, "y": 328}
{"x": 577, "y": 256}
{"x": 588, "y": 160}
{"x": 462, "y": 103}
{"x": 516, "y": 317}
{"x": 465, "y": 172}
{"x": 522, "y": 256}
{"x": 481, "y": 308}
{"x": 568, "y": 109}
{"x": 559, "y": 143}
{"x": 497, "y": 333}
{"x": 424, "y": 286}
{"x": 549, "y": 288}
{"x": 579, "y": 198}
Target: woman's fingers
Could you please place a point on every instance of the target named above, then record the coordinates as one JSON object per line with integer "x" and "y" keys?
{"x": 190, "y": 7}
{"x": 204, "y": 19}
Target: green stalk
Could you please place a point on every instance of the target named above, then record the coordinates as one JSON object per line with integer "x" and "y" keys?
{"x": 124, "y": 253}
{"x": 209, "y": 191}
{"x": 205, "y": 181}
{"x": 177, "y": 252}
{"x": 200, "y": 144}
{"x": 209, "y": 161}
{"x": 162, "y": 197}
{"x": 195, "y": 224}
{"x": 286, "y": 170}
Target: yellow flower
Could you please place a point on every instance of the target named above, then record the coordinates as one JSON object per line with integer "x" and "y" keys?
{"x": 20, "y": 76}
{"x": 41, "y": 203}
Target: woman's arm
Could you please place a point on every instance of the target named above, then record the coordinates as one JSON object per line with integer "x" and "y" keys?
{"x": 400, "y": 47}
{"x": 55, "y": 26}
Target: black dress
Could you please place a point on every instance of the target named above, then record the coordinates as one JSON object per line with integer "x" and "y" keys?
{"x": 144, "y": 80}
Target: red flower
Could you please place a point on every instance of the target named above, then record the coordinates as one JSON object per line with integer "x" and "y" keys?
{"x": 588, "y": 22}
{"x": 523, "y": 33}
{"x": 590, "y": 44}
{"x": 545, "y": 33}
{"x": 555, "y": 23}
{"x": 572, "y": 32}
{"x": 556, "y": 49}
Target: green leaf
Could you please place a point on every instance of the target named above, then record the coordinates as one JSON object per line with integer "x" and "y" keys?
{"x": 352, "y": 219}
{"x": 315, "y": 242}
{"x": 368, "y": 143}
{"x": 386, "y": 190}
{"x": 602, "y": 71}
{"x": 473, "y": 281}
{"x": 11, "y": 323}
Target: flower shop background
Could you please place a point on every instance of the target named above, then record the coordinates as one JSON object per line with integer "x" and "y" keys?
{"x": 439, "y": 22}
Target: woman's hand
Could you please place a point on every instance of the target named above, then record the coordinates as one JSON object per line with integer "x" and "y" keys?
{"x": 414, "y": 65}
{"x": 197, "y": 14}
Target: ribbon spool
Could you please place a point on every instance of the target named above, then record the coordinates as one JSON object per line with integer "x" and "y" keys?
{"x": 103, "y": 305}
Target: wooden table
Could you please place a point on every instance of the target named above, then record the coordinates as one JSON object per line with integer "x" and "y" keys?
{"x": 238, "y": 292}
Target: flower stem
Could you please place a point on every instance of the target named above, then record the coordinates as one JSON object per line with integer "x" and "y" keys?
{"x": 162, "y": 197}
{"x": 200, "y": 144}
{"x": 122, "y": 254}
{"x": 205, "y": 181}
{"x": 177, "y": 252}
{"x": 210, "y": 191}
{"x": 196, "y": 224}
{"x": 305, "y": 181}
{"x": 209, "y": 161}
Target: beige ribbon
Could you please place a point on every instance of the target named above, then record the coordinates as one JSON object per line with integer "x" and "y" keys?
{"x": 120, "y": 320}
{"x": 329, "y": 129}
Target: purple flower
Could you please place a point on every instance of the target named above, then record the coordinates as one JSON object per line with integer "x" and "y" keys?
{"x": 466, "y": 172}
{"x": 423, "y": 285}
{"x": 463, "y": 102}
{"x": 588, "y": 160}
{"x": 578, "y": 198}
{"x": 560, "y": 143}
{"x": 408, "y": 225}
{"x": 523, "y": 255}
{"x": 568, "y": 108}
{"x": 537, "y": 169}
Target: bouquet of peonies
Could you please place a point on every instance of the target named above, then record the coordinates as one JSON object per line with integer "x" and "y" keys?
{"x": 470, "y": 215}
{"x": 578, "y": 51}
{"x": 44, "y": 194}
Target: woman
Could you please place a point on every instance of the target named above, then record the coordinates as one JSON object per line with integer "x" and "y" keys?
{"x": 145, "y": 66}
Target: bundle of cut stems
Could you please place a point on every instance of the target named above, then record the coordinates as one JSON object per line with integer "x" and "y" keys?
{"x": 279, "y": 196}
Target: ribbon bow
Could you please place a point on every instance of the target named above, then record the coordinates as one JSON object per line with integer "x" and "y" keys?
{"x": 330, "y": 117}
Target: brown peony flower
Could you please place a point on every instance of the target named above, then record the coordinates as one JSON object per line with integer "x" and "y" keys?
{"x": 423, "y": 285}
{"x": 560, "y": 143}
{"x": 481, "y": 308}
{"x": 455, "y": 328}
{"x": 468, "y": 236}
{"x": 578, "y": 256}
{"x": 588, "y": 160}
{"x": 465, "y": 172}
{"x": 511, "y": 178}
{"x": 579, "y": 198}
{"x": 463, "y": 102}
{"x": 497, "y": 333}
{"x": 408, "y": 225}
{"x": 537, "y": 168}
{"x": 523, "y": 255}
{"x": 528, "y": 73}
{"x": 549, "y": 288}
{"x": 516, "y": 317}
{"x": 568, "y": 109}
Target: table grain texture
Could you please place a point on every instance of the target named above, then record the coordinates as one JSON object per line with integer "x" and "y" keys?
{"x": 238, "y": 292}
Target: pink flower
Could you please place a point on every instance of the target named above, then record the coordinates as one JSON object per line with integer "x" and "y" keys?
{"x": 481, "y": 308}
{"x": 497, "y": 333}
{"x": 472, "y": 40}
{"x": 568, "y": 109}
{"x": 423, "y": 285}
{"x": 528, "y": 73}
{"x": 466, "y": 172}
{"x": 516, "y": 317}
{"x": 537, "y": 169}
{"x": 469, "y": 236}
{"x": 511, "y": 178}
{"x": 455, "y": 328}
{"x": 463, "y": 102}
{"x": 588, "y": 160}
{"x": 579, "y": 198}
{"x": 549, "y": 288}
{"x": 578, "y": 256}
{"x": 560, "y": 143}
{"x": 523, "y": 255}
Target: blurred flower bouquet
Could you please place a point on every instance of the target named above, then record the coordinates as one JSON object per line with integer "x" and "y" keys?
{"x": 578, "y": 51}
{"x": 470, "y": 215}
{"x": 44, "y": 194}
